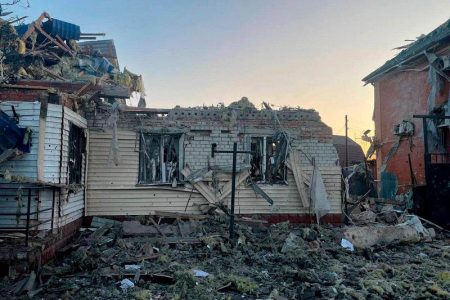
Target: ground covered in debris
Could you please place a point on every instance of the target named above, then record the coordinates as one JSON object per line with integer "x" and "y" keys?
{"x": 194, "y": 260}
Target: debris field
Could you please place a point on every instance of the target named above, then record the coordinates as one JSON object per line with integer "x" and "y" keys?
{"x": 194, "y": 259}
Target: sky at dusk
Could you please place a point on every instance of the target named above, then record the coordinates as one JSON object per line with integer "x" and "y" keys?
{"x": 310, "y": 54}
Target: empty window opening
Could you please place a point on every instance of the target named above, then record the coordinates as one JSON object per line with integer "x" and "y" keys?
{"x": 77, "y": 146}
{"x": 159, "y": 158}
{"x": 264, "y": 165}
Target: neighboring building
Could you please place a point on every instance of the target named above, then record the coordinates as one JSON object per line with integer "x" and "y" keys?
{"x": 354, "y": 150}
{"x": 415, "y": 82}
{"x": 141, "y": 172}
{"x": 50, "y": 166}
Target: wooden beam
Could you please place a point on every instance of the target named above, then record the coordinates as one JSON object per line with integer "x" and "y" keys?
{"x": 32, "y": 28}
{"x": 201, "y": 187}
{"x": 55, "y": 41}
{"x": 241, "y": 177}
{"x": 9, "y": 154}
{"x": 293, "y": 163}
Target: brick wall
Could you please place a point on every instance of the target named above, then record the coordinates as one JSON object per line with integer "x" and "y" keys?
{"x": 204, "y": 126}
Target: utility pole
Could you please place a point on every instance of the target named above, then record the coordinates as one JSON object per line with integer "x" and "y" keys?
{"x": 346, "y": 141}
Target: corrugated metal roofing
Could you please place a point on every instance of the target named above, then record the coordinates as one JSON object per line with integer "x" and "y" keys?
{"x": 65, "y": 30}
{"x": 439, "y": 34}
{"x": 106, "y": 48}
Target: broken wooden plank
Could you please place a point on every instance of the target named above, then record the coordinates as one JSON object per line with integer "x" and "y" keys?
{"x": 55, "y": 41}
{"x": 201, "y": 187}
{"x": 131, "y": 228}
{"x": 260, "y": 192}
{"x": 157, "y": 227}
{"x": 10, "y": 154}
{"x": 294, "y": 165}
{"x": 241, "y": 177}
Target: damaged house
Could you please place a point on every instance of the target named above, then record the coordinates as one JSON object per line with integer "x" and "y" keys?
{"x": 71, "y": 148}
{"x": 411, "y": 115}
{"x": 47, "y": 80}
{"x": 143, "y": 161}
{"x": 101, "y": 200}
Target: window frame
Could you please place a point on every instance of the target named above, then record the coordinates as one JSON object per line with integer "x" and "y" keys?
{"x": 179, "y": 138}
{"x": 76, "y": 149}
{"x": 265, "y": 161}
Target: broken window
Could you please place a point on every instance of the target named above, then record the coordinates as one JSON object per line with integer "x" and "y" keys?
{"x": 265, "y": 163}
{"x": 159, "y": 158}
{"x": 77, "y": 144}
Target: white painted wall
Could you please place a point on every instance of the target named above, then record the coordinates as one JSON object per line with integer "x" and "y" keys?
{"x": 67, "y": 207}
{"x": 112, "y": 189}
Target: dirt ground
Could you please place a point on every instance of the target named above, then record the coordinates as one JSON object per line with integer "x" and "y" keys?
{"x": 282, "y": 261}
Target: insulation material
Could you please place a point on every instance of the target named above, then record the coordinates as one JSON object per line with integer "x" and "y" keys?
{"x": 391, "y": 153}
{"x": 319, "y": 197}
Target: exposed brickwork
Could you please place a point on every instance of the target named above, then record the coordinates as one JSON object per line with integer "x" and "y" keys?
{"x": 398, "y": 97}
{"x": 204, "y": 126}
{"x": 25, "y": 259}
{"x": 31, "y": 95}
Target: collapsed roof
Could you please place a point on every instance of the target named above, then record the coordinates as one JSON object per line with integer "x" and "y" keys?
{"x": 47, "y": 49}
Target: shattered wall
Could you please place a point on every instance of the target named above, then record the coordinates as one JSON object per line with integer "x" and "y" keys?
{"x": 113, "y": 190}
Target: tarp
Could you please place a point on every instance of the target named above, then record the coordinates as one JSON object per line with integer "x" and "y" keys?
{"x": 11, "y": 136}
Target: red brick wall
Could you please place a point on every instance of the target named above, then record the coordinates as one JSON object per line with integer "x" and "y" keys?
{"x": 398, "y": 97}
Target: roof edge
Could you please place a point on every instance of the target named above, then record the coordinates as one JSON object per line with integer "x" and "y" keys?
{"x": 416, "y": 49}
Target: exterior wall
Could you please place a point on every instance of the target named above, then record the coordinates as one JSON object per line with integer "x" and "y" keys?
{"x": 399, "y": 96}
{"x": 67, "y": 207}
{"x": 113, "y": 190}
{"x": 10, "y": 200}
{"x": 71, "y": 205}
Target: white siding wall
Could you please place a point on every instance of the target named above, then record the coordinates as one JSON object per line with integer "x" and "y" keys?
{"x": 29, "y": 117}
{"x": 12, "y": 201}
{"x": 112, "y": 190}
{"x": 72, "y": 205}
{"x": 67, "y": 208}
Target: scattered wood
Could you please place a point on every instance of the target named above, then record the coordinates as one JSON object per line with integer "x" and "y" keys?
{"x": 62, "y": 46}
{"x": 52, "y": 74}
{"x": 133, "y": 228}
{"x": 157, "y": 227}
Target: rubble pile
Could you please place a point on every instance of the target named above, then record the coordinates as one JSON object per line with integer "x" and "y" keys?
{"x": 50, "y": 51}
{"x": 194, "y": 259}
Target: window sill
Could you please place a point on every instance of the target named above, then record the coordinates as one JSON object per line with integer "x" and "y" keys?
{"x": 161, "y": 184}
{"x": 271, "y": 183}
